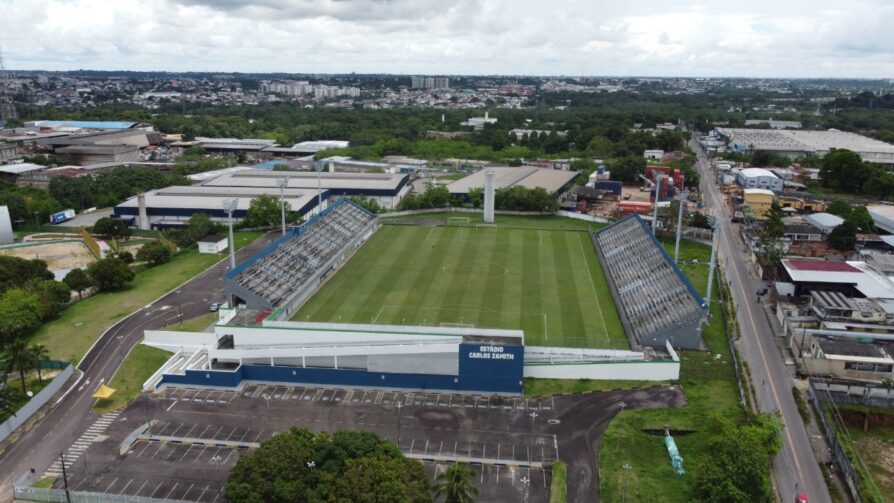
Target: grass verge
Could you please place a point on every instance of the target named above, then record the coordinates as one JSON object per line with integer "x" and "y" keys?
{"x": 70, "y": 336}
{"x": 45, "y": 483}
{"x": 558, "y": 492}
{"x": 128, "y": 380}
{"x": 707, "y": 378}
{"x": 545, "y": 222}
{"x": 32, "y": 384}
{"x": 196, "y": 324}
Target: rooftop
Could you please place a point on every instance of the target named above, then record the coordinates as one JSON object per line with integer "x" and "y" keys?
{"x": 84, "y": 124}
{"x": 524, "y": 176}
{"x": 21, "y": 168}
{"x": 308, "y": 180}
{"x": 765, "y": 192}
{"x": 866, "y": 352}
{"x": 752, "y": 172}
{"x": 212, "y": 198}
{"x": 864, "y": 279}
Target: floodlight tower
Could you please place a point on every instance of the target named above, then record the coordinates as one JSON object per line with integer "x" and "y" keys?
{"x": 281, "y": 183}
{"x": 715, "y": 234}
{"x": 683, "y": 196}
{"x": 657, "y": 195}
{"x": 230, "y": 206}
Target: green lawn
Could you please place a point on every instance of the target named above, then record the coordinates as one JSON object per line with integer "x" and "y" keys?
{"x": 549, "y": 387}
{"x": 71, "y": 335}
{"x": 128, "y": 380}
{"x": 709, "y": 384}
{"x": 876, "y": 453}
{"x": 197, "y": 324}
{"x": 558, "y": 492}
{"x": 547, "y": 283}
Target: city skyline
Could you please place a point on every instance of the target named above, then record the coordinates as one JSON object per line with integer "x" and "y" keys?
{"x": 639, "y": 38}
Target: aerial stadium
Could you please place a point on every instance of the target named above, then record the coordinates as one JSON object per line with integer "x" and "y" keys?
{"x": 352, "y": 299}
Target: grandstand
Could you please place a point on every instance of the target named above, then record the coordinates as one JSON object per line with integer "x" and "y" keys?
{"x": 655, "y": 300}
{"x": 288, "y": 271}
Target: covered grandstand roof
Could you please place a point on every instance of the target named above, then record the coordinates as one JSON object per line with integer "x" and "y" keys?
{"x": 525, "y": 176}
{"x": 336, "y": 182}
{"x": 655, "y": 300}
{"x": 197, "y": 197}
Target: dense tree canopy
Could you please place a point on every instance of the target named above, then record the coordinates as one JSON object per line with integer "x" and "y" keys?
{"x": 301, "y": 466}
{"x": 109, "y": 273}
{"x": 109, "y": 189}
{"x": 154, "y": 253}
{"x": 737, "y": 469}
{"x": 265, "y": 211}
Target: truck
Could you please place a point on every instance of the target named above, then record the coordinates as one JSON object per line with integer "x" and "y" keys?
{"x": 62, "y": 216}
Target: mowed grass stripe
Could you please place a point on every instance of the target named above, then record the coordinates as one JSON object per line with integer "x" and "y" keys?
{"x": 586, "y": 303}
{"x": 478, "y": 272}
{"x": 605, "y": 303}
{"x": 428, "y": 287}
{"x": 338, "y": 288}
{"x": 532, "y": 290}
{"x": 413, "y": 277}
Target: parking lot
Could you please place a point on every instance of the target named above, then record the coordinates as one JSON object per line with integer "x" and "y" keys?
{"x": 197, "y": 435}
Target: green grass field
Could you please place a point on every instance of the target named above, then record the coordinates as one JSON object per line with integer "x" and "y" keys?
{"x": 545, "y": 282}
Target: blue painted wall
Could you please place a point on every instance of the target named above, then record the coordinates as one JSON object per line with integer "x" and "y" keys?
{"x": 494, "y": 374}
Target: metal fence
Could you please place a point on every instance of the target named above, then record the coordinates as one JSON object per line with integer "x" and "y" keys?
{"x": 33, "y": 405}
{"x": 28, "y": 493}
{"x": 838, "y": 453}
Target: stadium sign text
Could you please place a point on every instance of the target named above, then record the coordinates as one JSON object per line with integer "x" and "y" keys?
{"x": 491, "y": 353}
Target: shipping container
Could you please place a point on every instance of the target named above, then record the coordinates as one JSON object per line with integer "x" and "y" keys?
{"x": 62, "y": 216}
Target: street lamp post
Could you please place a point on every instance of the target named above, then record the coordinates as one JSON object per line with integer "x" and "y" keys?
{"x": 525, "y": 482}
{"x": 230, "y": 206}
{"x": 281, "y": 183}
{"x": 64, "y": 477}
{"x": 533, "y": 415}
{"x": 400, "y": 406}
{"x": 627, "y": 468}
{"x": 146, "y": 409}
{"x": 216, "y": 460}
{"x": 618, "y": 443}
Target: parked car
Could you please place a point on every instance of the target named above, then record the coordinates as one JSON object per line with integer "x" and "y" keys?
{"x": 215, "y": 307}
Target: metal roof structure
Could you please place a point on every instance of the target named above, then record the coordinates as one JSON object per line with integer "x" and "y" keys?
{"x": 824, "y": 221}
{"x": 21, "y": 168}
{"x": 84, "y": 124}
{"x": 860, "y": 275}
{"x": 808, "y": 143}
{"x": 756, "y": 172}
{"x": 336, "y": 182}
{"x": 197, "y": 197}
{"x": 525, "y": 176}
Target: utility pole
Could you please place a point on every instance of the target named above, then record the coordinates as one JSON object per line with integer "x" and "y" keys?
{"x": 655, "y": 213}
{"x": 713, "y": 263}
{"x": 64, "y": 477}
{"x": 230, "y": 206}
{"x": 683, "y": 196}
{"x": 281, "y": 183}
{"x": 400, "y": 406}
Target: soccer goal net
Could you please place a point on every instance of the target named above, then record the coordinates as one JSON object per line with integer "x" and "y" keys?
{"x": 458, "y": 220}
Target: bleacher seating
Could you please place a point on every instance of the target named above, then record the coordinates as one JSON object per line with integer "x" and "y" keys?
{"x": 652, "y": 297}
{"x": 293, "y": 262}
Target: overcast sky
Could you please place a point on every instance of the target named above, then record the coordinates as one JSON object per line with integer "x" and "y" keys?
{"x": 779, "y": 38}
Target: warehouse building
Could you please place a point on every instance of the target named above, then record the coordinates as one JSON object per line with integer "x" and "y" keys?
{"x": 794, "y": 144}
{"x": 882, "y": 216}
{"x": 759, "y": 178}
{"x": 759, "y": 200}
{"x": 385, "y": 188}
{"x": 553, "y": 181}
{"x": 173, "y": 206}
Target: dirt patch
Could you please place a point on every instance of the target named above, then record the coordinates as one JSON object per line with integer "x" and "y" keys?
{"x": 66, "y": 255}
{"x": 878, "y": 454}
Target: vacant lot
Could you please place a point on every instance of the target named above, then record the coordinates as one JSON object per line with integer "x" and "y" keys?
{"x": 545, "y": 282}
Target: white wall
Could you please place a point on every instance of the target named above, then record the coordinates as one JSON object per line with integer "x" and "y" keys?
{"x": 179, "y": 341}
{"x": 213, "y": 247}
{"x": 632, "y": 371}
{"x": 280, "y": 335}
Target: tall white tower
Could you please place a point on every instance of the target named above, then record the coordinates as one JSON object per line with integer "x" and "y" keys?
{"x": 489, "y": 197}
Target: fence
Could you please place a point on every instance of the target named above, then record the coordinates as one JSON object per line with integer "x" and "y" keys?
{"x": 838, "y": 453}
{"x": 33, "y": 405}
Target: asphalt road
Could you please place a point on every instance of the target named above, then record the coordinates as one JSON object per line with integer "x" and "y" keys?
{"x": 795, "y": 467}
{"x": 40, "y": 446}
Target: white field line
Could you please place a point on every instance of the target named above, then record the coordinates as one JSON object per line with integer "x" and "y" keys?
{"x": 595, "y": 293}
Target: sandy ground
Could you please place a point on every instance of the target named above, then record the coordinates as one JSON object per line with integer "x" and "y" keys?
{"x": 58, "y": 256}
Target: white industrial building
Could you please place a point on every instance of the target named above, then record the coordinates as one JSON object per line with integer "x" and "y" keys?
{"x": 212, "y": 244}
{"x": 759, "y": 178}
{"x": 825, "y": 222}
{"x": 794, "y": 144}
{"x": 882, "y": 216}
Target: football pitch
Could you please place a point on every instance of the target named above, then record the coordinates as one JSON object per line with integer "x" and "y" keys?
{"x": 547, "y": 283}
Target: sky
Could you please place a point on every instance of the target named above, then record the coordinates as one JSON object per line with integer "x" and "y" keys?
{"x": 717, "y": 38}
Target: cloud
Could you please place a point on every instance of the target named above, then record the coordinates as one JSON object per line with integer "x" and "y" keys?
{"x": 798, "y": 38}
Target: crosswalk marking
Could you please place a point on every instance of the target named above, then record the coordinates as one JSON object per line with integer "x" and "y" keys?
{"x": 74, "y": 451}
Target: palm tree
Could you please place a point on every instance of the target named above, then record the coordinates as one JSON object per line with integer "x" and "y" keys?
{"x": 18, "y": 357}
{"x": 6, "y": 402}
{"x": 39, "y": 352}
{"x": 455, "y": 484}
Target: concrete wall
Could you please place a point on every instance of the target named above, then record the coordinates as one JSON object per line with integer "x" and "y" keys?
{"x": 38, "y": 401}
{"x": 665, "y": 370}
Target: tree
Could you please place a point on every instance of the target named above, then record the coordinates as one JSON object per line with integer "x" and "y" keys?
{"x": 476, "y": 197}
{"x": 839, "y": 207}
{"x": 16, "y": 272}
{"x": 298, "y": 465}
{"x": 736, "y": 469}
{"x": 845, "y": 170}
{"x": 264, "y": 211}
{"x": 39, "y": 352}
{"x": 154, "y": 253}
{"x": 125, "y": 257}
{"x": 627, "y": 169}
{"x": 774, "y": 228}
{"x": 7, "y": 403}
{"x": 843, "y": 237}
{"x": 109, "y": 274}
{"x": 861, "y": 219}
{"x": 20, "y": 312}
{"x": 368, "y": 203}
{"x": 455, "y": 484}
{"x": 78, "y": 281}
{"x": 111, "y": 227}
{"x": 18, "y": 358}
{"x": 52, "y": 295}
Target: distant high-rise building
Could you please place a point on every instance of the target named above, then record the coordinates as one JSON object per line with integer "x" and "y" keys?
{"x": 422, "y": 82}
